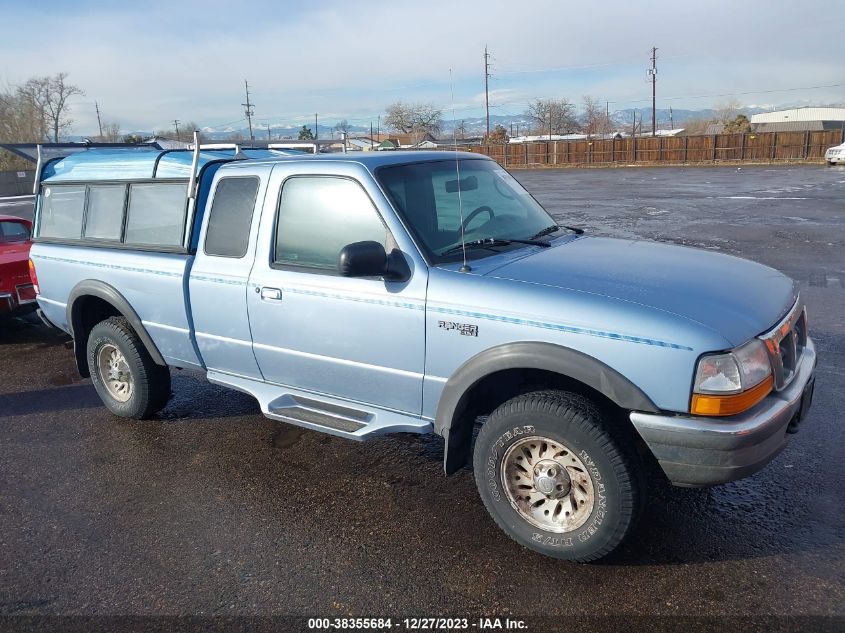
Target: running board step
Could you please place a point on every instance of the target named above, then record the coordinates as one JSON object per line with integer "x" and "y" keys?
{"x": 352, "y": 420}
{"x": 299, "y": 409}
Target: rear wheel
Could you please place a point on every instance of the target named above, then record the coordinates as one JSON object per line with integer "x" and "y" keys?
{"x": 554, "y": 478}
{"x": 125, "y": 376}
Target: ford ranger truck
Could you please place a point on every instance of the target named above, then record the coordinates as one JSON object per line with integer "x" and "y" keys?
{"x": 426, "y": 292}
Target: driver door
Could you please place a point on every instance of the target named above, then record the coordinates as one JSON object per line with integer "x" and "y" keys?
{"x": 360, "y": 339}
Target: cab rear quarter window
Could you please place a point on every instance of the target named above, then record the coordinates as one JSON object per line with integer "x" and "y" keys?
{"x": 230, "y": 216}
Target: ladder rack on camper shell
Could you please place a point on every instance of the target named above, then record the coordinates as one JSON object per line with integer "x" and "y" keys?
{"x": 41, "y": 153}
{"x": 201, "y": 154}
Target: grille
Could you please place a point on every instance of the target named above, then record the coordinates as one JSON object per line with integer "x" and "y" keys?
{"x": 786, "y": 343}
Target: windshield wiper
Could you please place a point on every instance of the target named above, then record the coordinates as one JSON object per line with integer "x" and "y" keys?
{"x": 554, "y": 229}
{"x": 492, "y": 243}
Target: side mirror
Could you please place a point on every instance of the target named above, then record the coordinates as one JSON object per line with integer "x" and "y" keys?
{"x": 362, "y": 259}
{"x": 369, "y": 259}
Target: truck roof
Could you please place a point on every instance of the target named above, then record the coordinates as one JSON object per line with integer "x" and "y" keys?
{"x": 374, "y": 159}
{"x": 148, "y": 162}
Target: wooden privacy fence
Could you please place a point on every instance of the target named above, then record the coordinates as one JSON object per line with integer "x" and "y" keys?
{"x": 711, "y": 148}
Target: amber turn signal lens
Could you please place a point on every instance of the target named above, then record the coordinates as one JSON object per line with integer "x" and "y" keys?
{"x": 708, "y": 404}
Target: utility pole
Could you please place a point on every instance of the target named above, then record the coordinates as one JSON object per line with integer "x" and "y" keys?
{"x": 99, "y": 122}
{"x": 269, "y": 138}
{"x": 671, "y": 119}
{"x": 371, "y": 135}
{"x": 316, "y": 133}
{"x": 634, "y": 126}
{"x": 176, "y": 125}
{"x": 248, "y": 110}
{"x": 378, "y": 128}
{"x": 653, "y": 72}
{"x": 487, "y": 87}
{"x": 607, "y": 115}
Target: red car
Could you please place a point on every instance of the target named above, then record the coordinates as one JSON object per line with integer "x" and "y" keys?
{"x": 17, "y": 294}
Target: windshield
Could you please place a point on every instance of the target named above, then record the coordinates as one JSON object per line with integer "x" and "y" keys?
{"x": 11, "y": 231}
{"x": 429, "y": 196}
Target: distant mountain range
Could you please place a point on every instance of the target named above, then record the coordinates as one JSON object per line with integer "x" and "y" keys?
{"x": 474, "y": 126}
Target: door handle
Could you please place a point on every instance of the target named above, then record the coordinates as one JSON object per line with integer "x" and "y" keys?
{"x": 271, "y": 294}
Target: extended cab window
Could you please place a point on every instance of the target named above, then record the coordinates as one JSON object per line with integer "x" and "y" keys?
{"x": 231, "y": 217}
{"x": 62, "y": 208}
{"x": 104, "y": 217}
{"x": 318, "y": 216}
{"x": 156, "y": 213}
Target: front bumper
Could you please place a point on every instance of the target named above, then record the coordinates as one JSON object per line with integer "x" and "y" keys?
{"x": 700, "y": 451}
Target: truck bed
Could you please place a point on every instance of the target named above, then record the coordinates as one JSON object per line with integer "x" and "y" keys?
{"x": 153, "y": 283}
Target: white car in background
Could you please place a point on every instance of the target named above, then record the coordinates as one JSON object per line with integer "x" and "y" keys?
{"x": 835, "y": 155}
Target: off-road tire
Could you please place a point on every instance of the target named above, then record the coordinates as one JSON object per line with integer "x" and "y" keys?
{"x": 150, "y": 382}
{"x": 572, "y": 421}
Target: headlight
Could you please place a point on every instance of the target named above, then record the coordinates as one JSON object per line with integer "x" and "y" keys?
{"x": 726, "y": 384}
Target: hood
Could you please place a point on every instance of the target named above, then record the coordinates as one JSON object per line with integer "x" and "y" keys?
{"x": 733, "y": 297}
{"x": 14, "y": 252}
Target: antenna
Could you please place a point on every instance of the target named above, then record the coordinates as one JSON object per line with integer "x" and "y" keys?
{"x": 465, "y": 268}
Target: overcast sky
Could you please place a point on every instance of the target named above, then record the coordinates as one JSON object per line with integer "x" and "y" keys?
{"x": 149, "y": 62}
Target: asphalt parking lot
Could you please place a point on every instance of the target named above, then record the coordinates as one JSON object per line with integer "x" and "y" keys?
{"x": 213, "y": 509}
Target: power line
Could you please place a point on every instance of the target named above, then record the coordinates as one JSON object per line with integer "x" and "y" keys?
{"x": 99, "y": 122}
{"x": 653, "y": 72}
{"x": 486, "y": 88}
{"x": 249, "y": 110}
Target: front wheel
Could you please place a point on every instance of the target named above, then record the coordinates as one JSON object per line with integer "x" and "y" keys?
{"x": 124, "y": 374}
{"x": 553, "y": 477}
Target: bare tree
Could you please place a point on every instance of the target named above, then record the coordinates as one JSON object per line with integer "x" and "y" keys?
{"x": 498, "y": 136}
{"x": 594, "y": 119}
{"x": 414, "y": 118}
{"x": 553, "y": 116}
{"x": 50, "y": 96}
{"x": 342, "y": 126}
{"x": 186, "y": 133}
{"x": 31, "y": 104}
{"x": 111, "y": 133}
{"x": 728, "y": 110}
{"x": 696, "y": 126}
{"x": 21, "y": 120}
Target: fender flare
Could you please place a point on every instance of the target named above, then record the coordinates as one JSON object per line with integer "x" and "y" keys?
{"x": 109, "y": 294}
{"x": 529, "y": 355}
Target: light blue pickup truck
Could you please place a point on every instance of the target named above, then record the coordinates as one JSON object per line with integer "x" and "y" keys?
{"x": 425, "y": 292}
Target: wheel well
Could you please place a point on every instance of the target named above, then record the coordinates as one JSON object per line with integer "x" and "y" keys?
{"x": 483, "y": 397}
{"x": 87, "y": 312}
